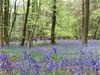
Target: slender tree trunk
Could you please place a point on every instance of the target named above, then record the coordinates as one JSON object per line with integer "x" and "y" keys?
{"x": 25, "y": 23}
{"x": 1, "y": 26}
{"x": 14, "y": 19}
{"x": 6, "y": 21}
{"x": 83, "y": 13}
{"x": 31, "y": 37}
{"x": 85, "y": 21}
{"x": 53, "y": 23}
{"x": 95, "y": 33}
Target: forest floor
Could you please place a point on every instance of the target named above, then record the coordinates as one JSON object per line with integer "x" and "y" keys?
{"x": 70, "y": 50}
{"x": 63, "y": 47}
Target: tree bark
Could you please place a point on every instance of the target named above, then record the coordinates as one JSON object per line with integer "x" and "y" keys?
{"x": 85, "y": 21}
{"x": 1, "y": 27}
{"x": 25, "y": 23}
{"x": 6, "y": 21}
{"x": 53, "y": 23}
{"x": 83, "y": 13}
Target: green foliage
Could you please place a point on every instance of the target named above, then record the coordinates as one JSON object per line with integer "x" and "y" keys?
{"x": 94, "y": 22}
{"x": 68, "y": 18}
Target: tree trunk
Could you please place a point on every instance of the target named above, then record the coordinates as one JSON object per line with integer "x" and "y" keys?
{"x": 6, "y": 21}
{"x": 14, "y": 19}
{"x": 83, "y": 13}
{"x": 95, "y": 33}
{"x": 85, "y": 21}
{"x": 1, "y": 27}
{"x": 53, "y": 23}
{"x": 97, "y": 27}
{"x": 25, "y": 23}
{"x": 31, "y": 37}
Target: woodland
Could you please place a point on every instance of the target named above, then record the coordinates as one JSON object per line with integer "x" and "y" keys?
{"x": 49, "y": 37}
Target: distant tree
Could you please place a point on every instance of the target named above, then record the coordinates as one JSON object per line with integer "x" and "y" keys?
{"x": 25, "y": 23}
{"x": 53, "y": 23}
{"x": 14, "y": 19}
{"x": 85, "y": 22}
{"x": 97, "y": 27}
